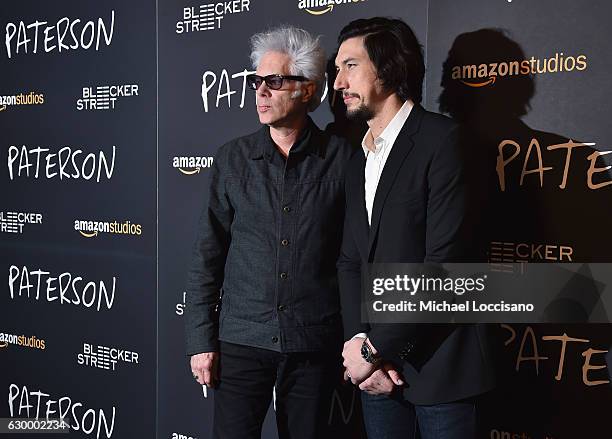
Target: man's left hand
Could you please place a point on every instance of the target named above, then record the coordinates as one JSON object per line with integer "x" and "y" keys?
{"x": 383, "y": 381}
{"x": 379, "y": 383}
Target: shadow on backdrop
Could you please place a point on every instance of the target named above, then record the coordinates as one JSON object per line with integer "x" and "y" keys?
{"x": 536, "y": 196}
{"x": 537, "y": 186}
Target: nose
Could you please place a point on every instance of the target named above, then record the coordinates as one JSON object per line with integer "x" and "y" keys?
{"x": 340, "y": 81}
{"x": 263, "y": 90}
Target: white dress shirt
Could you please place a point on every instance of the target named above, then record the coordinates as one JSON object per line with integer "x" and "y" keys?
{"x": 375, "y": 161}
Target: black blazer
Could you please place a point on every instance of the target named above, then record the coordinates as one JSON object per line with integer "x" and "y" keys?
{"x": 418, "y": 216}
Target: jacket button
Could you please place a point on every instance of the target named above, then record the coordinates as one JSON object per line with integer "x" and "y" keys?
{"x": 286, "y": 209}
{"x": 284, "y": 242}
{"x": 283, "y": 275}
{"x": 275, "y": 339}
{"x": 405, "y": 352}
{"x": 281, "y": 307}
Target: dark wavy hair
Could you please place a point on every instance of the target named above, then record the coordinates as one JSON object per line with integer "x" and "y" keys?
{"x": 395, "y": 52}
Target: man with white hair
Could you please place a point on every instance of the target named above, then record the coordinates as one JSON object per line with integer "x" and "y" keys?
{"x": 268, "y": 239}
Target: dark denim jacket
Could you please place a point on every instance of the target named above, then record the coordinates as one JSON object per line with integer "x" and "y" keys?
{"x": 268, "y": 239}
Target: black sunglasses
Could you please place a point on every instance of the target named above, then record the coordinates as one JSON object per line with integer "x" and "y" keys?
{"x": 273, "y": 82}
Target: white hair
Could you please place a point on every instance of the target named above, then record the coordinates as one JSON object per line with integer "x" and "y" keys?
{"x": 307, "y": 56}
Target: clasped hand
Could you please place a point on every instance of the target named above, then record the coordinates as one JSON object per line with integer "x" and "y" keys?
{"x": 376, "y": 379}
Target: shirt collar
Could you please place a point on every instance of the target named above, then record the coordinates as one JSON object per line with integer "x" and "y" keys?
{"x": 304, "y": 144}
{"x": 391, "y": 131}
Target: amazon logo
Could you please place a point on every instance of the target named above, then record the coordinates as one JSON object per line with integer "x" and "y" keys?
{"x": 31, "y": 98}
{"x": 21, "y": 340}
{"x": 485, "y": 74}
{"x": 191, "y": 165}
{"x": 91, "y": 229}
{"x": 320, "y": 7}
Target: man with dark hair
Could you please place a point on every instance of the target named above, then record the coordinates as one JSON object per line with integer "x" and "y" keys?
{"x": 406, "y": 203}
{"x": 269, "y": 238}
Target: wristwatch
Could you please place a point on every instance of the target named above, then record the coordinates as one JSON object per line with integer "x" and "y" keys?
{"x": 367, "y": 354}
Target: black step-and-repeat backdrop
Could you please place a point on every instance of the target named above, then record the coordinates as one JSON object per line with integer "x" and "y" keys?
{"x": 104, "y": 172}
{"x": 78, "y": 215}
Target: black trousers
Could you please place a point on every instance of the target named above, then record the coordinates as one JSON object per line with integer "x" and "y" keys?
{"x": 303, "y": 383}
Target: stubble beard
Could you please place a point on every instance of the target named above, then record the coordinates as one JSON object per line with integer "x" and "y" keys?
{"x": 363, "y": 113}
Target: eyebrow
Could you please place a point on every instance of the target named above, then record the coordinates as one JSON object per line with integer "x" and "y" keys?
{"x": 345, "y": 61}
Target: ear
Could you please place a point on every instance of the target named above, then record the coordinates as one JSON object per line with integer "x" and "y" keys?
{"x": 308, "y": 90}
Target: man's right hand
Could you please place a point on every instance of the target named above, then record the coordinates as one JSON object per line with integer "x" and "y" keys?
{"x": 205, "y": 368}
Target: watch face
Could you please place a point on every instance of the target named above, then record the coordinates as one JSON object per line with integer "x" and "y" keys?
{"x": 364, "y": 352}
